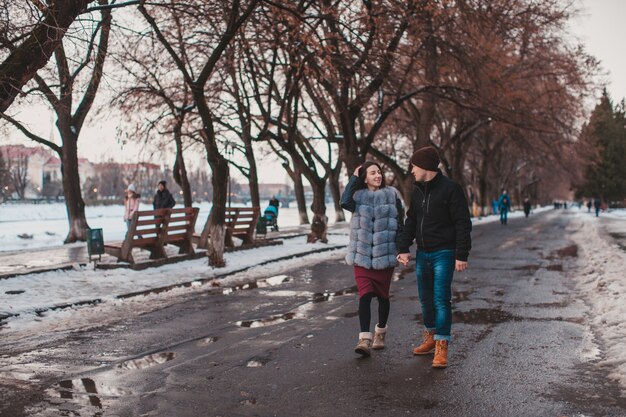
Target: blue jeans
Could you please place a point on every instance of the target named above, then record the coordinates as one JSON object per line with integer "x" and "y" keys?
{"x": 503, "y": 215}
{"x": 434, "y": 272}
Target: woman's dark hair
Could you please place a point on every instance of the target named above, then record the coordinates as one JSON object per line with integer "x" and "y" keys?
{"x": 363, "y": 174}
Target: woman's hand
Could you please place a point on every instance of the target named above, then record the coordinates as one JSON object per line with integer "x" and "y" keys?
{"x": 356, "y": 171}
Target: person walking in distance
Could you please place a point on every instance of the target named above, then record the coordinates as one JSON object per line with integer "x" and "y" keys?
{"x": 505, "y": 205}
{"x": 163, "y": 198}
{"x": 527, "y": 206}
{"x": 439, "y": 222}
{"x": 377, "y": 217}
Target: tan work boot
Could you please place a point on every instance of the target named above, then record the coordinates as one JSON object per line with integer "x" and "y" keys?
{"x": 365, "y": 342}
{"x": 428, "y": 344}
{"x": 441, "y": 354}
{"x": 379, "y": 337}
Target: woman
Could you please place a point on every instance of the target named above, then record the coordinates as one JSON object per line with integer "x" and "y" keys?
{"x": 377, "y": 217}
{"x": 131, "y": 204}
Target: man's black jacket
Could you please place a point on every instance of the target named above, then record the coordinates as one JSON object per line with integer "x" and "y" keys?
{"x": 438, "y": 218}
{"x": 163, "y": 199}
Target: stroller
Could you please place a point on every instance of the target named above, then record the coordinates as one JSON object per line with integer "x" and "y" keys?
{"x": 271, "y": 217}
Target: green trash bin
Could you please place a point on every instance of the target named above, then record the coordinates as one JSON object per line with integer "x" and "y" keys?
{"x": 95, "y": 243}
{"x": 261, "y": 226}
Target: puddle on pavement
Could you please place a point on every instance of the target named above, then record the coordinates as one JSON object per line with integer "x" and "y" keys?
{"x": 350, "y": 315}
{"x": 556, "y": 267}
{"x": 262, "y": 283}
{"x": 14, "y": 292}
{"x": 566, "y": 252}
{"x": 458, "y": 296}
{"x": 268, "y": 321}
{"x": 82, "y": 397}
{"x": 147, "y": 361}
{"x": 321, "y": 297}
{"x": 479, "y": 316}
{"x": 531, "y": 268}
{"x": 258, "y": 361}
{"x": 207, "y": 341}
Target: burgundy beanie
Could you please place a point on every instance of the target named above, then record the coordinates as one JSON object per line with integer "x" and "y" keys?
{"x": 426, "y": 158}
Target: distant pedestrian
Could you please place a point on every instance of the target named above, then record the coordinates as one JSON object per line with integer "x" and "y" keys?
{"x": 526, "y": 206}
{"x": 589, "y": 204}
{"x": 494, "y": 205}
{"x": 597, "y": 204}
{"x": 131, "y": 204}
{"x": 163, "y": 198}
{"x": 438, "y": 221}
{"x": 377, "y": 217}
{"x": 504, "y": 204}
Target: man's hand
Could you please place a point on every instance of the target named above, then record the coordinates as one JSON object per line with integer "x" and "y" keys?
{"x": 404, "y": 258}
{"x": 460, "y": 266}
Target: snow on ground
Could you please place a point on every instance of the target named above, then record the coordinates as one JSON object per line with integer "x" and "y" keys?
{"x": 602, "y": 282}
{"x": 47, "y": 223}
{"x": 49, "y": 289}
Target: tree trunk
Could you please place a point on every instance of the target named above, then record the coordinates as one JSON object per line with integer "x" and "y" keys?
{"x": 298, "y": 189}
{"x": 333, "y": 183}
{"x": 253, "y": 177}
{"x": 482, "y": 183}
{"x": 216, "y": 221}
{"x": 71, "y": 188}
{"x": 319, "y": 226}
{"x": 180, "y": 170}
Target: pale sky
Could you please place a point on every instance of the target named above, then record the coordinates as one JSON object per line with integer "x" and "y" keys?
{"x": 600, "y": 27}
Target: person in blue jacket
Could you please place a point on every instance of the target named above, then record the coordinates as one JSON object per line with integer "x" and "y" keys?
{"x": 504, "y": 203}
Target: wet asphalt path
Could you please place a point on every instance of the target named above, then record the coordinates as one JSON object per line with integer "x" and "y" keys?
{"x": 522, "y": 347}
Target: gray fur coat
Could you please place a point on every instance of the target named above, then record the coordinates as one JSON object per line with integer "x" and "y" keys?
{"x": 373, "y": 229}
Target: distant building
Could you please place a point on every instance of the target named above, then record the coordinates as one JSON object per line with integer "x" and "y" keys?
{"x": 40, "y": 168}
{"x": 269, "y": 190}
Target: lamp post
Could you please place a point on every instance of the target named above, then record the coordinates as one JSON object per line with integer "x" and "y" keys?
{"x": 230, "y": 149}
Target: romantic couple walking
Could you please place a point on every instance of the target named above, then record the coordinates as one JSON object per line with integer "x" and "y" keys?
{"x": 438, "y": 221}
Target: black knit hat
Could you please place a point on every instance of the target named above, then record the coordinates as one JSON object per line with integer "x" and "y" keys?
{"x": 426, "y": 158}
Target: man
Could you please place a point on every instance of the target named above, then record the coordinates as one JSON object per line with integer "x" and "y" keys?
{"x": 597, "y": 204}
{"x": 439, "y": 222}
{"x": 163, "y": 198}
{"x": 526, "y": 206}
{"x": 505, "y": 206}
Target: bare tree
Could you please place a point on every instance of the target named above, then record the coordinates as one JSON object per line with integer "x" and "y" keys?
{"x": 70, "y": 72}
{"x": 196, "y": 61}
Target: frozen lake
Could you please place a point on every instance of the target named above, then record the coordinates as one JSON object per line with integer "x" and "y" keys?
{"x": 47, "y": 223}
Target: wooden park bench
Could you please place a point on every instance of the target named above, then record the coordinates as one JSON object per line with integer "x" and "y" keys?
{"x": 240, "y": 223}
{"x": 152, "y": 230}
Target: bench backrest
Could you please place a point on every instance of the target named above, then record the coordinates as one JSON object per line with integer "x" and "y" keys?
{"x": 181, "y": 224}
{"x": 145, "y": 227}
{"x": 241, "y": 219}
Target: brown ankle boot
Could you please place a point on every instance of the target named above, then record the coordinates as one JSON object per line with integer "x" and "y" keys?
{"x": 379, "y": 337}
{"x": 428, "y": 344}
{"x": 441, "y": 354}
{"x": 365, "y": 342}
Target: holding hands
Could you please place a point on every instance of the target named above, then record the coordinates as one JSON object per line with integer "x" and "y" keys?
{"x": 404, "y": 258}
